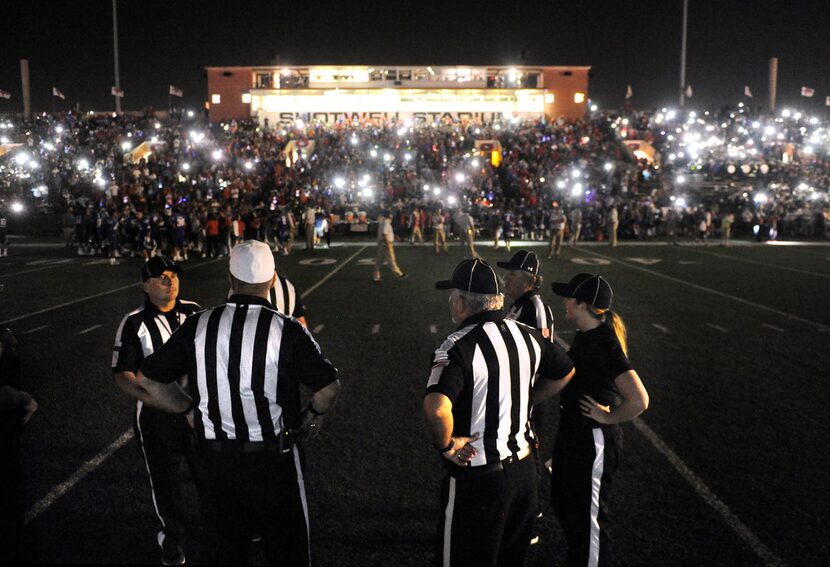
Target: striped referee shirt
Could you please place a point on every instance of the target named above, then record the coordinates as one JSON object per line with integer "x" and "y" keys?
{"x": 248, "y": 361}
{"x": 532, "y": 311}
{"x": 487, "y": 369}
{"x": 143, "y": 331}
{"x": 285, "y": 299}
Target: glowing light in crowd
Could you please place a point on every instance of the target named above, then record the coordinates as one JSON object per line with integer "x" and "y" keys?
{"x": 83, "y": 164}
{"x": 387, "y": 157}
{"x": 21, "y": 158}
{"x": 190, "y": 114}
{"x": 561, "y": 184}
{"x": 401, "y": 131}
{"x": 576, "y": 174}
{"x": 680, "y": 179}
{"x": 299, "y": 124}
{"x": 339, "y": 182}
{"x": 670, "y": 115}
{"x": 476, "y": 162}
{"x": 769, "y": 130}
{"x": 608, "y": 166}
{"x": 354, "y": 140}
{"x": 803, "y": 186}
{"x": 126, "y": 146}
{"x": 808, "y": 150}
{"x": 459, "y": 177}
{"x": 185, "y": 166}
{"x": 216, "y": 155}
{"x": 426, "y": 187}
{"x": 47, "y": 145}
{"x": 594, "y": 108}
{"x": 451, "y": 200}
{"x": 680, "y": 202}
{"x": 4, "y": 140}
{"x": 157, "y": 125}
{"x": 32, "y": 164}
{"x": 373, "y": 153}
{"x": 196, "y": 136}
{"x": 407, "y": 156}
{"x": 17, "y": 207}
{"x": 577, "y": 190}
{"x": 59, "y": 129}
{"x": 786, "y": 113}
{"x": 249, "y": 165}
{"x": 541, "y": 180}
{"x": 759, "y": 198}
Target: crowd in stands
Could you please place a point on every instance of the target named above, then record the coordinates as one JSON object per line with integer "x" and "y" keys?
{"x": 137, "y": 185}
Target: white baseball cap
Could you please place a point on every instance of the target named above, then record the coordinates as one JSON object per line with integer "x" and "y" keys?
{"x": 252, "y": 262}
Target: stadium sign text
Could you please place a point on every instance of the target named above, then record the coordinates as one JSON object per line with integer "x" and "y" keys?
{"x": 333, "y": 117}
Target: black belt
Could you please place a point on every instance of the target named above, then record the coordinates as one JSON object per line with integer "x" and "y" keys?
{"x": 248, "y": 447}
{"x": 481, "y": 470}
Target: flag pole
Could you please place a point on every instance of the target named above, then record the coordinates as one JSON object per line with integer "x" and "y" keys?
{"x": 115, "y": 54}
{"x": 682, "y": 53}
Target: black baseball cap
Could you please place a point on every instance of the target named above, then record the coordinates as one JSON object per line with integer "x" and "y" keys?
{"x": 157, "y": 265}
{"x": 522, "y": 260}
{"x": 475, "y": 276}
{"x": 588, "y": 288}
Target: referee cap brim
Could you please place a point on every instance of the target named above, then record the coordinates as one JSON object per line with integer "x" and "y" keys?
{"x": 157, "y": 265}
{"x": 473, "y": 275}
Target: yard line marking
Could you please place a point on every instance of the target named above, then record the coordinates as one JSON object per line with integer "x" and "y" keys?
{"x": 376, "y": 328}
{"x": 757, "y": 263}
{"x": 88, "y": 297}
{"x": 50, "y": 266}
{"x": 60, "y": 490}
{"x": 773, "y": 327}
{"x": 334, "y": 271}
{"x": 717, "y": 327}
{"x": 743, "y": 531}
{"x": 34, "y": 330}
{"x": 712, "y": 291}
{"x": 50, "y": 262}
{"x": 318, "y": 328}
{"x": 92, "y": 328}
{"x": 97, "y": 262}
{"x": 700, "y": 487}
{"x": 688, "y": 262}
{"x": 433, "y": 329}
{"x": 57, "y": 492}
{"x": 661, "y": 328}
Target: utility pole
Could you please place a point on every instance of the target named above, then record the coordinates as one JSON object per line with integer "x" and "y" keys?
{"x": 682, "y": 54}
{"x": 773, "y": 83}
{"x": 115, "y": 53}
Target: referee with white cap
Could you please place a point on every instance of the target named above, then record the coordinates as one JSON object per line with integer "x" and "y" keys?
{"x": 247, "y": 362}
{"x": 485, "y": 378}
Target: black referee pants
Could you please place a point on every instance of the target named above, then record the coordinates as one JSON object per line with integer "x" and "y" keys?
{"x": 247, "y": 493}
{"x": 487, "y": 519}
{"x": 584, "y": 462}
{"x": 164, "y": 440}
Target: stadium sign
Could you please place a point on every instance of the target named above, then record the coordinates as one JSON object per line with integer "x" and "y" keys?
{"x": 333, "y": 117}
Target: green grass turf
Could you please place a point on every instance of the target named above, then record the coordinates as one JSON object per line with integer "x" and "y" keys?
{"x": 744, "y": 409}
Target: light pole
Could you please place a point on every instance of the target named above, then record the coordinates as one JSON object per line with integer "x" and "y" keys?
{"x": 115, "y": 53}
{"x": 682, "y": 53}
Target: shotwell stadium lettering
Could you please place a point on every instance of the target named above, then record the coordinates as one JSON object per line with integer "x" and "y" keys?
{"x": 332, "y": 117}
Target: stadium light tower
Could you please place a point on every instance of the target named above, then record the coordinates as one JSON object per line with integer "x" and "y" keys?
{"x": 682, "y": 53}
{"x": 115, "y": 54}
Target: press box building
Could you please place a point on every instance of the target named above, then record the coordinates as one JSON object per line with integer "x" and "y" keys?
{"x": 332, "y": 92}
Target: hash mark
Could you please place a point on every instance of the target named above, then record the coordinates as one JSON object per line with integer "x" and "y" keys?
{"x": 35, "y": 330}
{"x": 433, "y": 329}
{"x": 92, "y": 328}
{"x": 772, "y": 327}
{"x": 660, "y": 328}
{"x": 376, "y": 328}
{"x": 717, "y": 327}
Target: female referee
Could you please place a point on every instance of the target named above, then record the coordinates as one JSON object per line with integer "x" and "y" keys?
{"x": 604, "y": 392}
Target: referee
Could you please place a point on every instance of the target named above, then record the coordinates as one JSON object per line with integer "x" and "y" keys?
{"x": 247, "y": 362}
{"x": 484, "y": 379}
{"x": 164, "y": 439}
{"x": 285, "y": 299}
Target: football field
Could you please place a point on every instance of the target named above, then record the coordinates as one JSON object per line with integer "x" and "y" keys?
{"x": 727, "y": 467}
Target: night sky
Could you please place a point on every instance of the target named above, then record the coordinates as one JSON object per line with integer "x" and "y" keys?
{"x": 69, "y": 45}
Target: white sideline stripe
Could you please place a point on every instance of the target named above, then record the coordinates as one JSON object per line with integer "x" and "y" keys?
{"x": 92, "y": 328}
{"x": 44, "y": 503}
{"x": 757, "y": 263}
{"x": 58, "y": 491}
{"x": 448, "y": 513}
{"x": 712, "y": 291}
{"x": 700, "y": 487}
{"x": 375, "y": 328}
{"x": 433, "y": 329}
{"x": 50, "y": 262}
{"x": 35, "y": 329}
{"x": 88, "y": 297}
{"x": 717, "y": 327}
{"x": 318, "y": 328}
{"x": 334, "y": 271}
{"x": 660, "y": 328}
{"x": 743, "y": 531}
{"x": 773, "y": 327}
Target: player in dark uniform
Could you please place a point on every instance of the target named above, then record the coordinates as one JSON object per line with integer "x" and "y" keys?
{"x": 604, "y": 392}
{"x": 164, "y": 439}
